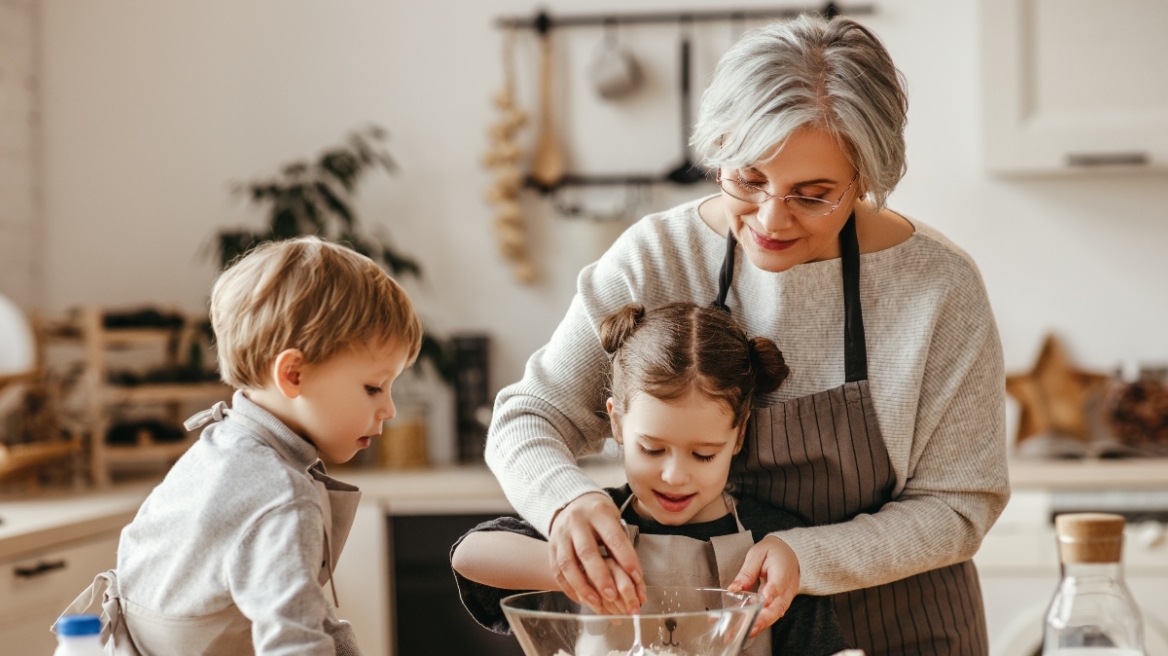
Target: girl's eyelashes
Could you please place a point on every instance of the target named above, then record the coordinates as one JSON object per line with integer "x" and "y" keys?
{"x": 371, "y": 390}
{"x": 656, "y": 452}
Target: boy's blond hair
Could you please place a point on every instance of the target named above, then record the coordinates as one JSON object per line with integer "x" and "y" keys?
{"x": 305, "y": 294}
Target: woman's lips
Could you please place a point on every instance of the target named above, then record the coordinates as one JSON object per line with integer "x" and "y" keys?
{"x": 364, "y": 441}
{"x": 771, "y": 244}
{"x": 673, "y": 503}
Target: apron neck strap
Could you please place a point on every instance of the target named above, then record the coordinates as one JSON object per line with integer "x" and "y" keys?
{"x": 855, "y": 349}
{"x": 726, "y": 275}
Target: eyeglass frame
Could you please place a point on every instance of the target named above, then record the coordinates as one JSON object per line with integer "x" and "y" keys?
{"x": 769, "y": 196}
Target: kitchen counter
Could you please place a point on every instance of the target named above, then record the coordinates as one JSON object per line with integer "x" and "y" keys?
{"x": 1090, "y": 473}
{"x": 52, "y": 519}
{"x": 60, "y": 518}
{"x": 449, "y": 489}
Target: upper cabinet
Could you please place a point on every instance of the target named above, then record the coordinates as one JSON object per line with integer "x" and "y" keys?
{"x": 1074, "y": 85}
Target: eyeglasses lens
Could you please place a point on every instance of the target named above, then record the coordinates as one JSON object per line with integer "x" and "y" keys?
{"x": 751, "y": 194}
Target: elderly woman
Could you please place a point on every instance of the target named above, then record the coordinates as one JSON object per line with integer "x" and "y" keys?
{"x": 888, "y": 437}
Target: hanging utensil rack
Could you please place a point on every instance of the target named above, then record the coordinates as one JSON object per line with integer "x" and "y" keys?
{"x": 542, "y": 23}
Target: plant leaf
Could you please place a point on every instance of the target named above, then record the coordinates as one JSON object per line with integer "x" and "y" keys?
{"x": 437, "y": 352}
{"x": 284, "y": 223}
{"x": 400, "y": 264}
{"x": 334, "y": 203}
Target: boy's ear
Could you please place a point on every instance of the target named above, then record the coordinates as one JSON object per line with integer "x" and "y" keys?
{"x": 612, "y": 418}
{"x": 287, "y": 372}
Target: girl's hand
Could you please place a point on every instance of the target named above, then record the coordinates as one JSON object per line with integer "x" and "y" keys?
{"x": 774, "y": 565}
{"x": 578, "y": 565}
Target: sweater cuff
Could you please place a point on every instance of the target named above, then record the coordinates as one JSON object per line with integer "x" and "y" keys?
{"x": 560, "y": 488}
{"x": 807, "y": 550}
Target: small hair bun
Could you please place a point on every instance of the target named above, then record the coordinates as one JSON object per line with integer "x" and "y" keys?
{"x": 619, "y": 326}
{"x": 770, "y": 369}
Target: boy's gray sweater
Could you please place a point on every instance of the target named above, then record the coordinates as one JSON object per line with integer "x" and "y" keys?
{"x": 235, "y": 523}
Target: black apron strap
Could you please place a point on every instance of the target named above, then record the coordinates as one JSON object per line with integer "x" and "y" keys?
{"x": 855, "y": 350}
{"x": 726, "y": 276}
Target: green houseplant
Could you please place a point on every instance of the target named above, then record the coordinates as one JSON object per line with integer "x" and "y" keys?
{"x": 315, "y": 197}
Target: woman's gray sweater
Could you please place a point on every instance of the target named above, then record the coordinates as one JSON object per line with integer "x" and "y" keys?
{"x": 934, "y": 366}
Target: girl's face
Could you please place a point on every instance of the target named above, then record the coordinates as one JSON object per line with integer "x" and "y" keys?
{"x": 677, "y": 455}
{"x": 773, "y": 237}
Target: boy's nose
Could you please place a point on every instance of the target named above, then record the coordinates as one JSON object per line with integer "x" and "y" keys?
{"x": 387, "y": 411}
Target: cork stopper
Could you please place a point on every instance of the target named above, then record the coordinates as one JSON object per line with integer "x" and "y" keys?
{"x": 1089, "y": 537}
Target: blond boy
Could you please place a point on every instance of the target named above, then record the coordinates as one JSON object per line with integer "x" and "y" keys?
{"x": 233, "y": 552}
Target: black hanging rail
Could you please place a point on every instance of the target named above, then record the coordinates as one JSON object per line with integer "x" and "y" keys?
{"x": 542, "y": 22}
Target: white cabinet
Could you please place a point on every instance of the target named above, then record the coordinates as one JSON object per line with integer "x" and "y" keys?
{"x": 36, "y": 587}
{"x": 1074, "y": 85}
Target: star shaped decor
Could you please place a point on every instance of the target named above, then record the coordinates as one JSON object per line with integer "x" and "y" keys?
{"x": 1054, "y": 395}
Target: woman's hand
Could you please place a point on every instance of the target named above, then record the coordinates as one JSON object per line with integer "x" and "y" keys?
{"x": 773, "y": 564}
{"x": 578, "y": 564}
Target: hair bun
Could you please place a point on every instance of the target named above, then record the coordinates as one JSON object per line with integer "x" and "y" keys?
{"x": 618, "y": 326}
{"x": 770, "y": 369}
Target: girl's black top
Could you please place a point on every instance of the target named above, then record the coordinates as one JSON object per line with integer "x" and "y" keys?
{"x": 809, "y": 627}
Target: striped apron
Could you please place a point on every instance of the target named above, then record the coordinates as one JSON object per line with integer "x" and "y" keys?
{"x": 823, "y": 458}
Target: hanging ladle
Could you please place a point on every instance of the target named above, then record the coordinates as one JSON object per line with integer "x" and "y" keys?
{"x": 687, "y": 172}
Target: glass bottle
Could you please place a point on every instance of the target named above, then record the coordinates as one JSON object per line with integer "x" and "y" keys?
{"x": 1092, "y": 613}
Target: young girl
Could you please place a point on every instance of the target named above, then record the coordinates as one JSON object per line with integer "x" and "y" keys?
{"x": 683, "y": 378}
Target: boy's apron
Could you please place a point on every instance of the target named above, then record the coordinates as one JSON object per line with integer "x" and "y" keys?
{"x": 134, "y": 631}
{"x": 678, "y": 560}
{"x": 823, "y": 458}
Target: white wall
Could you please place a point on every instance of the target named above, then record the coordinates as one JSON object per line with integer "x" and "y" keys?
{"x": 152, "y": 108}
{"x": 20, "y": 238}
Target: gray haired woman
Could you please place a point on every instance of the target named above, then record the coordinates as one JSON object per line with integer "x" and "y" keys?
{"x": 888, "y": 437}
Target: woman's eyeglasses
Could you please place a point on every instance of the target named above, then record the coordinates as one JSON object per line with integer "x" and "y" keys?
{"x": 805, "y": 205}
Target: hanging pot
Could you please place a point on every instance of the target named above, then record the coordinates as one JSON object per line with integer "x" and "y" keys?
{"x": 614, "y": 71}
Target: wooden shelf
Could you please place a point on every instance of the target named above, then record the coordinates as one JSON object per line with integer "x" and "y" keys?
{"x": 136, "y": 336}
{"x": 104, "y": 402}
{"x": 167, "y": 393}
{"x": 21, "y": 457}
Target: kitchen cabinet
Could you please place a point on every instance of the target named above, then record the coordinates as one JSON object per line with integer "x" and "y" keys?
{"x": 429, "y": 617}
{"x": 36, "y": 587}
{"x": 1074, "y": 85}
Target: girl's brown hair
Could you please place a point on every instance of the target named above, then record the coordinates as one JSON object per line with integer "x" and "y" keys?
{"x": 669, "y": 350}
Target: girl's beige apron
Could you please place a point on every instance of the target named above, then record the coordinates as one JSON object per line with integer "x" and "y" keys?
{"x": 135, "y": 631}
{"x": 823, "y": 458}
{"x": 677, "y": 560}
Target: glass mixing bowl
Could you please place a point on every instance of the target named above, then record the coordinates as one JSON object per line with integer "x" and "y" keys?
{"x": 675, "y": 621}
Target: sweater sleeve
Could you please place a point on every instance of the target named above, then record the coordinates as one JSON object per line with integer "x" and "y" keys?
{"x": 556, "y": 412}
{"x": 956, "y": 483}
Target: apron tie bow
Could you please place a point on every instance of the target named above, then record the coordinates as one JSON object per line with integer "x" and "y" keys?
{"x": 204, "y": 417}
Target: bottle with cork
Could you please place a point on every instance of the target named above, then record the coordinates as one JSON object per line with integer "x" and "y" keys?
{"x": 1093, "y": 612}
